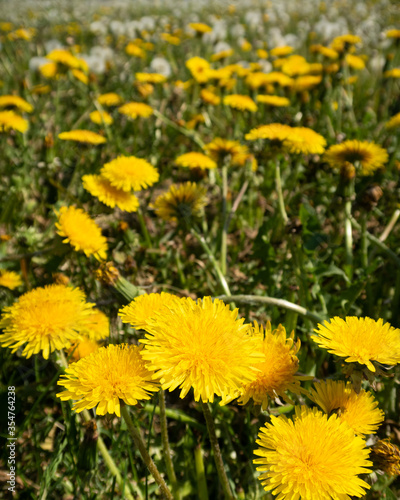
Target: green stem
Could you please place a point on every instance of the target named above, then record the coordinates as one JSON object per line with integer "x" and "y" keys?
{"x": 217, "y": 452}
{"x": 285, "y": 304}
{"x": 166, "y": 447}
{"x": 102, "y": 447}
{"x": 278, "y": 185}
{"x": 200, "y": 473}
{"x": 141, "y": 445}
{"x": 364, "y": 241}
{"x": 144, "y": 228}
{"x": 224, "y": 236}
{"x": 200, "y": 238}
{"x": 348, "y": 235}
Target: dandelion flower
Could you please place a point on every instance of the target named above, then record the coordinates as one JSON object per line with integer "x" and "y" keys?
{"x": 360, "y": 411}
{"x": 273, "y": 100}
{"x": 101, "y": 117}
{"x": 393, "y": 33}
{"x": 15, "y": 101}
{"x": 209, "y": 97}
{"x": 307, "y": 82}
{"x": 106, "y": 377}
{"x": 45, "y": 319}
{"x": 355, "y": 62}
{"x": 84, "y": 136}
{"x": 394, "y": 121}
{"x": 196, "y": 160}
{"x": 371, "y": 156}
{"x": 82, "y": 348}
{"x": 219, "y": 149}
{"x": 129, "y": 172}
{"x": 386, "y": 457}
{"x": 150, "y": 77}
{"x": 240, "y": 102}
{"x": 81, "y": 232}
{"x": 10, "y": 120}
{"x": 80, "y": 75}
{"x": 281, "y": 51}
{"x": 360, "y": 340}
{"x": 275, "y": 132}
{"x": 200, "y": 28}
{"x": 110, "y": 99}
{"x": 96, "y": 326}
{"x": 343, "y": 42}
{"x": 134, "y": 50}
{"x": 10, "y": 279}
{"x": 277, "y": 370}
{"x": 311, "y": 457}
{"x": 142, "y": 309}
{"x": 392, "y": 73}
{"x": 303, "y": 140}
{"x": 101, "y": 188}
{"x": 201, "y": 345}
{"x": 181, "y": 202}
{"x": 135, "y": 109}
{"x": 199, "y": 68}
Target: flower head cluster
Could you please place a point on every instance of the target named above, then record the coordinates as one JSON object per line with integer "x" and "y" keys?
{"x": 130, "y": 173}
{"x": 276, "y": 370}
{"x": 240, "y": 102}
{"x": 360, "y": 340}
{"x": 312, "y": 456}
{"x": 45, "y": 319}
{"x": 10, "y": 279}
{"x": 219, "y": 149}
{"x": 101, "y": 188}
{"x": 11, "y": 121}
{"x": 78, "y": 229}
{"x": 195, "y": 160}
{"x": 106, "y": 377}
{"x": 84, "y": 136}
{"x": 15, "y": 101}
{"x": 369, "y": 155}
{"x": 135, "y": 109}
{"x": 360, "y": 411}
{"x": 182, "y": 202}
{"x": 201, "y": 345}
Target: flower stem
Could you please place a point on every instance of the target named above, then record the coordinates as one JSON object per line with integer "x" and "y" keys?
{"x": 144, "y": 228}
{"x": 141, "y": 445}
{"x": 200, "y": 473}
{"x": 221, "y": 278}
{"x": 102, "y": 447}
{"x": 278, "y": 185}
{"x": 285, "y": 304}
{"x": 166, "y": 447}
{"x": 224, "y": 236}
{"x": 217, "y": 452}
{"x": 348, "y": 235}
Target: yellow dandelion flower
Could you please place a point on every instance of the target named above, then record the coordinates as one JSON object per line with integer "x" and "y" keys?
{"x": 221, "y": 55}
{"x": 279, "y": 78}
{"x": 173, "y": 40}
{"x": 182, "y": 202}
{"x": 64, "y": 57}
{"x": 210, "y": 97}
{"x": 143, "y": 308}
{"x": 101, "y": 117}
{"x": 96, "y": 326}
{"x": 219, "y": 149}
{"x": 132, "y": 49}
{"x": 344, "y": 42}
{"x": 277, "y": 370}
{"x": 360, "y": 411}
{"x": 393, "y": 33}
{"x": 200, "y": 27}
{"x": 195, "y": 160}
{"x": 308, "y": 82}
{"x": 10, "y": 279}
{"x": 386, "y": 457}
{"x": 355, "y": 62}
{"x": 22, "y": 34}
{"x": 199, "y": 68}
{"x": 135, "y": 109}
{"x": 369, "y": 155}
{"x": 150, "y": 78}
{"x": 106, "y": 377}
{"x": 262, "y": 54}
{"x": 84, "y": 136}
{"x": 256, "y": 80}
{"x": 246, "y": 46}
{"x": 49, "y": 70}
{"x": 303, "y": 140}
{"x": 101, "y": 188}
{"x": 81, "y": 232}
{"x": 240, "y": 102}
{"x": 80, "y": 75}
{"x": 201, "y": 345}
{"x": 110, "y": 99}
{"x": 295, "y": 65}
{"x": 273, "y": 100}
{"x": 15, "y": 101}
{"x": 276, "y": 132}
{"x": 325, "y": 51}
{"x": 393, "y": 122}
{"x": 392, "y": 73}
{"x": 144, "y": 89}
{"x": 45, "y": 319}
{"x": 129, "y": 172}
{"x": 281, "y": 51}
{"x": 360, "y": 340}
{"x": 11, "y": 121}
{"x": 194, "y": 121}
{"x": 311, "y": 457}
{"x": 82, "y": 348}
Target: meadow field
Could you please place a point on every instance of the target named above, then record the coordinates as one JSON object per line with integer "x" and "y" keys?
{"x": 199, "y": 250}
